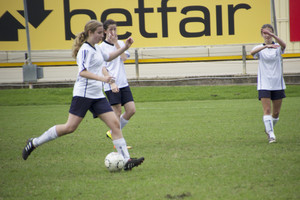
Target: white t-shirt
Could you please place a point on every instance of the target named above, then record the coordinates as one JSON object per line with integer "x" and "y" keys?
{"x": 269, "y": 76}
{"x": 91, "y": 59}
{"x": 115, "y": 67}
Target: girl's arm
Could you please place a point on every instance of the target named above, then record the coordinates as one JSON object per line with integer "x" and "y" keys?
{"x": 277, "y": 39}
{"x": 113, "y": 85}
{"x": 90, "y": 75}
{"x": 258, "y": 49}
{"x": 123, "y": 55}
{"x": 280, "y": 42}
{"x": 118, "y": 52}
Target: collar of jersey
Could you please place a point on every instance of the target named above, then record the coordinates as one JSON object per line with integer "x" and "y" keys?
{"x": 272, "y": 43}
{"x": 108, "y": 43}
{"x": 90, "y": 45}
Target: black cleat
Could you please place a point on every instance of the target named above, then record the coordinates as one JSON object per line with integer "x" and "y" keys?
{"x": 133, "y": 162}
{"x": 28, "y": 149}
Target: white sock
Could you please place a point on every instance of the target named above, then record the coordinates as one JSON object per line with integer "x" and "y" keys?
{"x": 121, "y": 147}
{"x": 123, "y": 122}
{"x": 268, "y": 121}
{"x": 49, "y": 135}
{"x": 275, "y": 120}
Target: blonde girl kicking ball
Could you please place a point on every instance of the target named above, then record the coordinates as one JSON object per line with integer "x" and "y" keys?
{"x": 87, "y": 93}
{"x": 270, "y": 82}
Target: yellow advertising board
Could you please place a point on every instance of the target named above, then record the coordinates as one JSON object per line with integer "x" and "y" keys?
{"x": 53, "y": 24}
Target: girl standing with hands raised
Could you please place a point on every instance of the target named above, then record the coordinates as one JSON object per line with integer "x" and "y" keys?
{"x": 270, "y": 82}
{"x": 87, "y": 93}
{"x": 118, "y": 93}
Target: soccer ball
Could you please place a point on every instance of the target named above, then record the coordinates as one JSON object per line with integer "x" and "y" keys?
{"x": 114, "y": 162}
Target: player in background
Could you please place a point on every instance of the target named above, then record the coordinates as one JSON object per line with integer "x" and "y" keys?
{"x": 270, "y": 82}
{"x": 118, "y": 93}
{"x": 87, "y": 92}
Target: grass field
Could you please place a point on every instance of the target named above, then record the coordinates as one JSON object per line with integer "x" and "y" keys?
{"x": 198, "y": 142}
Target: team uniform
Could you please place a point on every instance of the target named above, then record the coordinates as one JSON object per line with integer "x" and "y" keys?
{"x": 116, "y": 69}
{"x": 88, "y": 93}
{"x": 270, "y": 82}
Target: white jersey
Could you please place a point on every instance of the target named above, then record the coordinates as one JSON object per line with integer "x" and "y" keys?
{"x": 269, "y": 76}
{"x": 115, "y": 67}
{"x": 91, "y": 59}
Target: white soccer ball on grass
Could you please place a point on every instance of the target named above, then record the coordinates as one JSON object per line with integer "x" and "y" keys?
{"x": 114, "y": 162}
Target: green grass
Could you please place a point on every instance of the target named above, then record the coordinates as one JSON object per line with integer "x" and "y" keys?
{"x": 59, "y": 96}
{"x": 195, "y": 147}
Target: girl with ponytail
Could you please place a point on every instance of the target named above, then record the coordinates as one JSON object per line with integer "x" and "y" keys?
{"x": 88, "y": 94}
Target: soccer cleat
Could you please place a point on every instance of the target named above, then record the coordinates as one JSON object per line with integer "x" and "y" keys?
{"x": 28, "y": 149}
{"x": 133, "y": 162}
{"x": 108, "y": 134}
{"x": 272, "y": 140}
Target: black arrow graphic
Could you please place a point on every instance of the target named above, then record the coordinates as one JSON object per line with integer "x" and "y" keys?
{"x": 9, "y": 27}
{"x": 36, "y": 12}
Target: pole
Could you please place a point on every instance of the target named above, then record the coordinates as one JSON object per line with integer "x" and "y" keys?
{"x": 28, "y": 54}
{"x": 244, "y": 59}
{"x": 274, "y": 16}
{"x": 137, "y": 72}
{"x": 27, "y": 32}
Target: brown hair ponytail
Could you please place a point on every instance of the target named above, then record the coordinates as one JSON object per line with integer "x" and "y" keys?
{"x": 79, "y": 40}
{"x": 91, "y": 25}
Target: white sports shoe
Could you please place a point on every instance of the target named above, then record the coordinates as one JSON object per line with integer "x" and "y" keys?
{"x": 272, "y": 140}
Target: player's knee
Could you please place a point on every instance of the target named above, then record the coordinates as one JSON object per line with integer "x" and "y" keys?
{"x": 70, "y": 129}
{"x": 132, "y": 111}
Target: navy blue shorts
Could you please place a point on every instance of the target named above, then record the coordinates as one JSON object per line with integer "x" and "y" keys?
{"x": 80, "y": 106}
{"x": 271, "y": 94}
{"x": 122, "y": 97}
